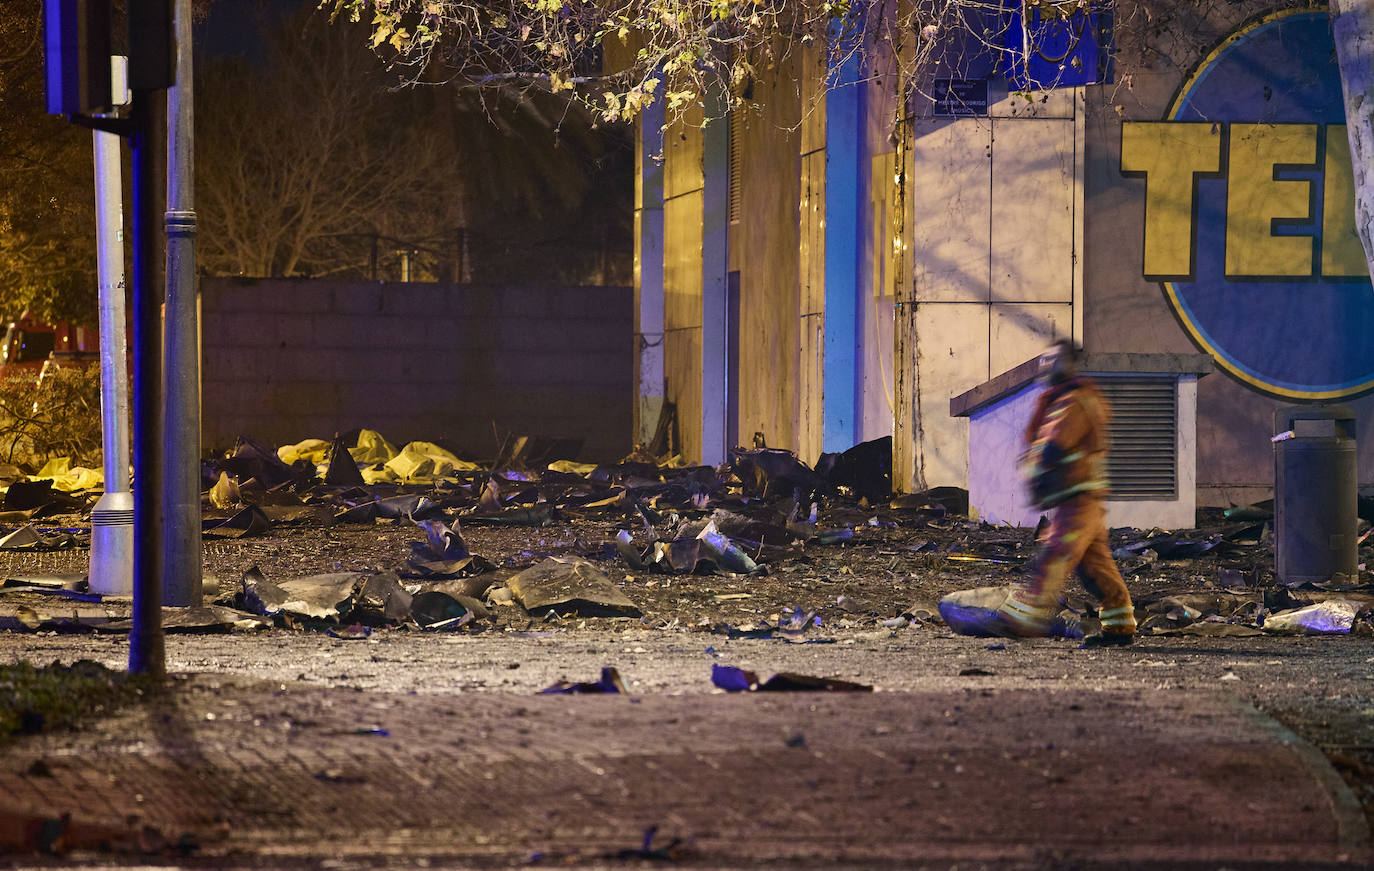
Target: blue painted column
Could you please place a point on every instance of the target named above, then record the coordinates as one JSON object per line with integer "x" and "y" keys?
{"x": 843, "y": 148}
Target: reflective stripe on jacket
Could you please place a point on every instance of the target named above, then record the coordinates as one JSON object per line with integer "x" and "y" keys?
{"x": 1066, "y": 440}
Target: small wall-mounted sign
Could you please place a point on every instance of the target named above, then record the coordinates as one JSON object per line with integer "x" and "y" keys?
{"x": 960, "y": 98}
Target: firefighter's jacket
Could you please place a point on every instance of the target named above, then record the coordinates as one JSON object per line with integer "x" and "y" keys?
{"x": 1066, "y": 441}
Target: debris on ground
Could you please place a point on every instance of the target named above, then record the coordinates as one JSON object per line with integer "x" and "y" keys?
{"x": 792, "y": 624}
{"x": 436, "y": 610}
{"x": 201, "y": 618}
{"x": 733, "y": 680}
{"x": 610, "y": 682}
{"x": 383, "y": 596}
{"x": 570, "y": 587}
{"x": 535, "y": 537}
{"x": 975, "y": 612}
{"x": 246, "y": 522}
{"x": 443, "y": 553}
{"x": 1331, "y": 617}
{"x": 29, "y": 537}
{"x": 320, "y": 597}
{"x": 674, "y": 851}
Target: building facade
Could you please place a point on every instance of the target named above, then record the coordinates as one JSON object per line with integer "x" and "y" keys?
{"x": 839, "y": 263}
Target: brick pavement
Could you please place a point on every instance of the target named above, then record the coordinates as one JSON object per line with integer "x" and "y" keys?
{"x": 281, "y": 774}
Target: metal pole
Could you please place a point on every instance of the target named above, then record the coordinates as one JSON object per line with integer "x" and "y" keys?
{"x": 181, "y": 555}
{"x": 146, "y": 652}
{"x": 112, "y": 520}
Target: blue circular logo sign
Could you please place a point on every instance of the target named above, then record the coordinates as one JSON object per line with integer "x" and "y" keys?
{"x": 1250, "y": 225}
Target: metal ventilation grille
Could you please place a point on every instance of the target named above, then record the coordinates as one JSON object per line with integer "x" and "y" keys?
{"x": 1142, "y": 462}
{"x": 736, "y": 189}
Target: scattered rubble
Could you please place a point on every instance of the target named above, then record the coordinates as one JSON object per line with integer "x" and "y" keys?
{"x": 970, "y": 612}
{"x": 329, "y": 534}
{"x": 570, "y": 587}
{"x": 734, "y": 680}
{"x": 1331, "y": 617}
{"x": 610, "y": 682}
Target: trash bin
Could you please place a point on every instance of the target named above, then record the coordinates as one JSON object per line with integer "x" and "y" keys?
{"x": 1315, "y": 493}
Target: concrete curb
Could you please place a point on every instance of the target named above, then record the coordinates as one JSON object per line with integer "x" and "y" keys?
{"x": 1352, "y": 825}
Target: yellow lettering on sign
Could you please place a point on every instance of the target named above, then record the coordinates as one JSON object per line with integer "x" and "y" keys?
{"x": 1342, "y": 253}
{"x": 1170, "y": 154}
{"x": 1254, "y": 199}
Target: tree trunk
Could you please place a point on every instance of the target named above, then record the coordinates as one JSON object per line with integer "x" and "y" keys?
{"x": 1352, "y": 23}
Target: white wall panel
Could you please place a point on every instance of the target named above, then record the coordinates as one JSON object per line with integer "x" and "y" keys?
{"x": 951, "y": 357}
{"x": 950, "y": 189}
{"x": 1032, "y": 230}
{"x": 1020, "y": 331}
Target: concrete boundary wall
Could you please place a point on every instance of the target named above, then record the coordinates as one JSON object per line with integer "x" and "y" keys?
{"x": 286, "y": 360}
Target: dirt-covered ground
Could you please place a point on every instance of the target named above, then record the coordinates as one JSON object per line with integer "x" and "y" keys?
{"x": 852, "y": 572}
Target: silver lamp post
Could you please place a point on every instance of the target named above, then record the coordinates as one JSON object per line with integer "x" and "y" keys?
{"x": 112, "y": 520}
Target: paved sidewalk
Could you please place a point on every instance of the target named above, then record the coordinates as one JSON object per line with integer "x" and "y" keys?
{"x": 273, "y": 774}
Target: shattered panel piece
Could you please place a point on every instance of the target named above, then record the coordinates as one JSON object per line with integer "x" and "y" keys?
{"x": 724, "y": 553}
{"x": 682, "y": 556}
{"x": 443, "y": 553}
{"x": 225, "y": 493}
{"x": 249, "y": 522}
{"x": 624, "y": 546}
{"x": 23, "y": 538}
{"x": 207, "y": 618}
{"x": 355, "y": 632}
{"x": 252, "y": 459}
{"x": 1207, "y": 629}
{"x": 570, "y": 586}
{"x": 733, "y": 679}
{"x": 47, "y": 582}
{"x": 474, "y": 587}
{"x": 68, "y": 620}
{"x": 434, "y": 610}
{"x": 412, "y": 506}
{"x": 383, "y": 594}
{"x": 1332, "y": 617}
{"x": 610, "y": 682}
{"x": 321, "y": 597}
{"x": 343, "y": 470}
{"x": 772, "y": 472}
{"x": 518, "y": 515}
{"x": 363, "y": 512}
{"x": 260, "y": 595}
{"x": 442, "y": 541}
{"x": 741, "y": 528}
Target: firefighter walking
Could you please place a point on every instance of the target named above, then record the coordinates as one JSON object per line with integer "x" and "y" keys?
{"x": 1065, "y": 470}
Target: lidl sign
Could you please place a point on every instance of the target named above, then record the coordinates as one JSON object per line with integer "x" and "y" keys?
{"x": 1249, "y": 212}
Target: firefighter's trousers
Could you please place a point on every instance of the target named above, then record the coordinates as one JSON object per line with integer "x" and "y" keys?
{"x": 1075, "y": 539}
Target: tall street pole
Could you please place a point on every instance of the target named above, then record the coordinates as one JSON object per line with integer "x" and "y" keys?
{"x": 181, "y": 541}
{"x": 146, "y": 649}
{"x": 151, "y": 71}
{"x": 112, "y": 519}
